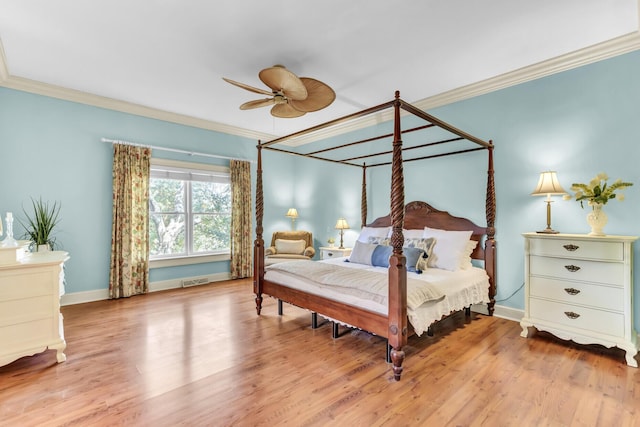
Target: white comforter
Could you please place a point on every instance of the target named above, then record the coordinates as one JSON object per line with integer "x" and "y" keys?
{"x": 460, "y": 289}
{"x": 365, "y": 284}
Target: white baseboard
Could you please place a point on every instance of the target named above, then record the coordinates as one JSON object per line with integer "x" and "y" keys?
{"x": 163, "y": 285}
{"x": 500, "y": 311}
{"x": 508, "y": 313}
{"x": 82, "y": 297}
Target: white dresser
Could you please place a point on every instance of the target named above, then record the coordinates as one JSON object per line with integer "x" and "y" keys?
{"x": 580, "y": 288}
{"x": 30, "y": 319}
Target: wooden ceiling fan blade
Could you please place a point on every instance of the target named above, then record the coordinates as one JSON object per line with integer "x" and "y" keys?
{"x": 279, "y": 79}
{"x": 286, "y": 111}
{"x": 247, "y": 87}
{"x": 320, "y": 96}
{"x": 257, "y": 104}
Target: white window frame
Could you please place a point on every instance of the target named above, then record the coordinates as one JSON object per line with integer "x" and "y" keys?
{"x": 186, "y": 168}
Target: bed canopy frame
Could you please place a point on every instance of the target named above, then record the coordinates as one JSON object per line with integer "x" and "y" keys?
{"x": 395, "y": 325}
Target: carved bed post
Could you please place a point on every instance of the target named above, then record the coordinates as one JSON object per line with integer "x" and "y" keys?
{"x": 363, "y": 200}
{"x": 490, "y": 244}
{"x": 258, "y": 246}
{"x": 397, "y": 334}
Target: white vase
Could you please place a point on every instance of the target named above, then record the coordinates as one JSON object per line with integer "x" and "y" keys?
{"x": 597, "y": 219}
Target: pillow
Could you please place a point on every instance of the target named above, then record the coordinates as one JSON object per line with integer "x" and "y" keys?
{"x": 449, "y": 250}
{"x": 284, "y": 246}
{"x": 367, "y": 232}
{"x": 378, "y": 255}
{"x": 414, "y": 256}
{"x": 465, "y": 260}
{"x": 376, "y": 240}
{"x": 361, "y": 253}
{"x": 427, "y": 247}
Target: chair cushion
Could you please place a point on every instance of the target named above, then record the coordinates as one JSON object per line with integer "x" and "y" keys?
{"x": 290, "y": 246}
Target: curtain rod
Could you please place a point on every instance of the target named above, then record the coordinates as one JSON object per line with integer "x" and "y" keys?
{"x": 174, "y": 150}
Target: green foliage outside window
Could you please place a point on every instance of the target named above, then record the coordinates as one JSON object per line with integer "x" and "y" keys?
{"x": 177, "y": 230}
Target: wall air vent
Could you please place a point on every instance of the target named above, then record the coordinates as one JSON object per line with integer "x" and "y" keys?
{"x": 195, "y": 282}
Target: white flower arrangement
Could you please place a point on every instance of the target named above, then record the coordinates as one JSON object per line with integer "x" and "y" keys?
{"x": 597, "y": 191}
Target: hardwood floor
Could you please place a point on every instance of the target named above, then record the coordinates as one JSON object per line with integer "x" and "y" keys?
{"x": 201, "y": 356}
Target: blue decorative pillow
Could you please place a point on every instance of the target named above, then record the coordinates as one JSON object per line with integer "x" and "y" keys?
{"x": 413, "y": 255}
{"x": 426, "y": 244}
{"x": 380, "y": 256}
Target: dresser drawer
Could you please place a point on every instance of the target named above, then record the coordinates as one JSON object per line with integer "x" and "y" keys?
{"x": 572, "y": 316}
{"x": 20, "y": 284}
{"x": 607, "y": 297}
{"x": 611, "y": 273}
{"x": 606, "y": 251}
{"x": 327, "y": 253}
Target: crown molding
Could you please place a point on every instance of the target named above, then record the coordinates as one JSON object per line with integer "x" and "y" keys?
{"x": 609, "y": 49}
{"x": 595, "y": 53}
{"x": 73, "y": 95}
{"x": 59, "y": 92}
{"x": 605, "y": 50}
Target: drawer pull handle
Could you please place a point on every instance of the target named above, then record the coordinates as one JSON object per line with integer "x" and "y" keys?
{"x": 571, "y": 314}
{"x": 570, "y": 247}
{"x": 572, "y": 291}
{"x": 572, "y": 268}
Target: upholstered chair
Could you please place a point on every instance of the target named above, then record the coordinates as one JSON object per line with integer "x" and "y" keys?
{"x": 290, "y": 246}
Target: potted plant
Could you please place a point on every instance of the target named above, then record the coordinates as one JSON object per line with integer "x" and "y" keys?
{"x": 40, "y": 224}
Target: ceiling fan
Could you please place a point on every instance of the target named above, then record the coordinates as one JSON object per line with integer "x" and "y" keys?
{"x": 291, "y": 96}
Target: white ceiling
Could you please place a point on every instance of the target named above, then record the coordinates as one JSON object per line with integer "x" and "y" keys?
{"x": 171, "y": 55}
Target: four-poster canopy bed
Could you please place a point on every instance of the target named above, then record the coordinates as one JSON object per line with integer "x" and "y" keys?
{"x": 388, "y": 317}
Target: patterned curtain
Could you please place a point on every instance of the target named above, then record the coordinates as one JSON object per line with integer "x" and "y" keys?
{"x": 241, "y": 245}
{"x": 130, "y": 221}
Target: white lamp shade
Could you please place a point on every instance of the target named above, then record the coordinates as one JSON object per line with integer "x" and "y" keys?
{"x": 292, "y": 213}
{"x": 548, "y": 184}
{"x": 342, "y": 224}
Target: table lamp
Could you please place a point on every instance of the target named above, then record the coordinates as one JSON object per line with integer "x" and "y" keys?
{"x": 548, "y": 185}
{"x": 293, "y": 214}
{"x": 341, "y": 225}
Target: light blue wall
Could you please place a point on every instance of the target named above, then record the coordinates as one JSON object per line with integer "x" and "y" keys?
{"x": 579, "y": 122}
{"x": 52, "y": 148}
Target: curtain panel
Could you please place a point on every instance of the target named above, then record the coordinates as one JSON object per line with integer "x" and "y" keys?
{"x": 129, "y": 273}
{"x": 241, "y": 242}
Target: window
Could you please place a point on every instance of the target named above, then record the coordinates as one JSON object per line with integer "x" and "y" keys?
{"x": 189, "y": 210}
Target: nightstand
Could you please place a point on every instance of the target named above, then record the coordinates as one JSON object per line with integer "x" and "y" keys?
{"x": 327, "y": 252}
{"x": 580, "y": 288}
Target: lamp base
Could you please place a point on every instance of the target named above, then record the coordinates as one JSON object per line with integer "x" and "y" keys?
{"x": 548, "y": 231}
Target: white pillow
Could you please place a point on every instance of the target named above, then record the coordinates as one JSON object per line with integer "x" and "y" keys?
{"x": 284, "y": 246}
{"x": 450, "y": 249}
{"x": 368, "y": 232}
{"x": 465, "y": 260}
{"x": 361, "y": 253}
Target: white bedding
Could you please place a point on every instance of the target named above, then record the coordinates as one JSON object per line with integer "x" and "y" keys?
{"x": 461, "y": 289}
